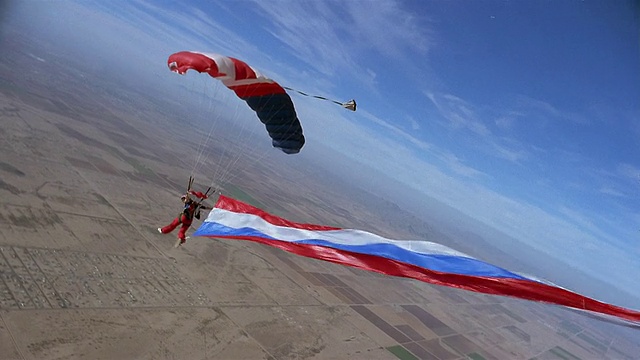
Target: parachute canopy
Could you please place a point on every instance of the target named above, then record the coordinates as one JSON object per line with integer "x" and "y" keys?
{"x": 267, "y": 98}
{"x": 421, "y": 260}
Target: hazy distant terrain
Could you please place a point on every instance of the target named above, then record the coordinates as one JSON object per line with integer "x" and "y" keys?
{"x": 90, "y": 166}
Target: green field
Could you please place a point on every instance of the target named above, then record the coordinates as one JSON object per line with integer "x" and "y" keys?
{"x": 401, "y": 353}
{"x": 563, "y": 354}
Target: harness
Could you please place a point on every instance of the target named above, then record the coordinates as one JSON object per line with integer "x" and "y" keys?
{"x": 189, "y": 210}
{"x": 192, "y": 208}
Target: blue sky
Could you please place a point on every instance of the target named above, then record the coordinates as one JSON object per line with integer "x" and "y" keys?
{"x": 522, "y": 114}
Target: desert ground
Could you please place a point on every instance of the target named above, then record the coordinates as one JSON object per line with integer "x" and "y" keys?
{"x": 85, "y": 275}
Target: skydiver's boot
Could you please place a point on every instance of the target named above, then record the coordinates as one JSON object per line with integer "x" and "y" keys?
{"x": 160, "y": 230}
{"x": 180, "y": 242}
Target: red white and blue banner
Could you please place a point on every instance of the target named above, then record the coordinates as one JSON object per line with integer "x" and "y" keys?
{"x": 421, "y": 260}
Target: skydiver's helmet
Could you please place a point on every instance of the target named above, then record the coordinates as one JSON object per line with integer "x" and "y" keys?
{"x": 185, "y": 198}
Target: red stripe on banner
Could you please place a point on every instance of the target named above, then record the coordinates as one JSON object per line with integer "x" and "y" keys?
{"x": 230, "y": 204}
{"x": 182, "y": 61}
{"x": 243, "y": 71}
{"x": 257, "y": 89}
{"x": 522, "y": 289}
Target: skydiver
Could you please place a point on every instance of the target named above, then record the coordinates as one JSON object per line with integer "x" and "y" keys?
{"x": 190, "y": 210}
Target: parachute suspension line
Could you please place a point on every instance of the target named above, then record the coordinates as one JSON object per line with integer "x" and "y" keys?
{"x": 201, "y": 138}
{"x": 225, "y": 163}
{"x": 262, "y": 155}
{"x": 204, "y": 150}
{"x": 350, "y": 105}
{"x": 204, "y": 140}
{"x": 207, "y": 151}
{"x": 243, "y": 149}
{"x": 208, "y": 93}
{"x": 227, "y": 158}
{"x": 217, "y": 115}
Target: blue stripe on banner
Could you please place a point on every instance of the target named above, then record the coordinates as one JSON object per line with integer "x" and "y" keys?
{"x": 215, "y": 229}
{"x": 441, "y": 263}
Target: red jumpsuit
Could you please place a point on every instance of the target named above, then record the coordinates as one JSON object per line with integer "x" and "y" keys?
{"x": 185, "y": 218}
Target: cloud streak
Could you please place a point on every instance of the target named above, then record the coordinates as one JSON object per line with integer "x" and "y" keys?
{"x": 334, "y": 35}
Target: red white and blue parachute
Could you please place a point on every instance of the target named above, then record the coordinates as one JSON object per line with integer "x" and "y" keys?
{"x": 267, "y": 98}
{"x": 425, "y": 261}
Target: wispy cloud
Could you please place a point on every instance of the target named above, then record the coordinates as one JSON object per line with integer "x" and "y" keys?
{"x": 413, "y": 123}
{"x": 510, "y": 154}
{"x": 458, "y": 167}
{"x": 545, "y": 110}
{"x": 397, "y": 131}
{"x": 507, "y": 120}
{"x": 629, "y": 171}
{"x": 294, "y": 23}
{"x": 620, "y": 181}
{"x": 185, "y": 28}
{"x": 459, "y": 113}
{"x": 611, "y": 191}
{"x": 341, "y": 32}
